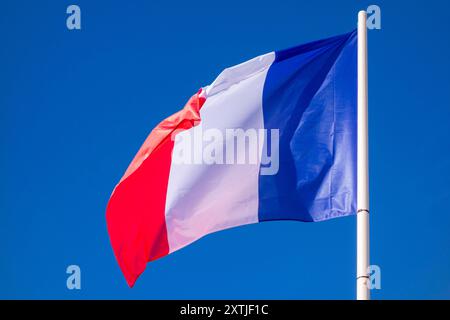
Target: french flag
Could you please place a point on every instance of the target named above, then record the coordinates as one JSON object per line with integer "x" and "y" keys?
{"x": 299, "y": 105}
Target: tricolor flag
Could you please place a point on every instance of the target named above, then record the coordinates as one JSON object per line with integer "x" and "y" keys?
{"x": 273, "y": 138}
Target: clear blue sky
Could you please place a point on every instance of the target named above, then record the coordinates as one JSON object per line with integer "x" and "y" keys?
{"x": 76, "y": 105}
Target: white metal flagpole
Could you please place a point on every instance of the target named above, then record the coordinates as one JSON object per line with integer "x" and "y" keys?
{"x": 362, "y": 238}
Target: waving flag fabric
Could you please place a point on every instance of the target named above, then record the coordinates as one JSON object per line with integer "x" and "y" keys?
{"x": 305, "y": 97}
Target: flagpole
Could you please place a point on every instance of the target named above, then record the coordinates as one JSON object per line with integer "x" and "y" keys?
{"x": 362, "y": 238}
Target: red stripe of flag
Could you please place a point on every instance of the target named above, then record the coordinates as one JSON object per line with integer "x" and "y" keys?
{"x": 136, "y": 210}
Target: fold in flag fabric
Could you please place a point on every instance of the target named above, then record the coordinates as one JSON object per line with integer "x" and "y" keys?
{"x": 305, "y": 97}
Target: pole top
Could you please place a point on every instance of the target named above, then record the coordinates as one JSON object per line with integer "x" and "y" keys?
{"x": 362, "y": 14}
